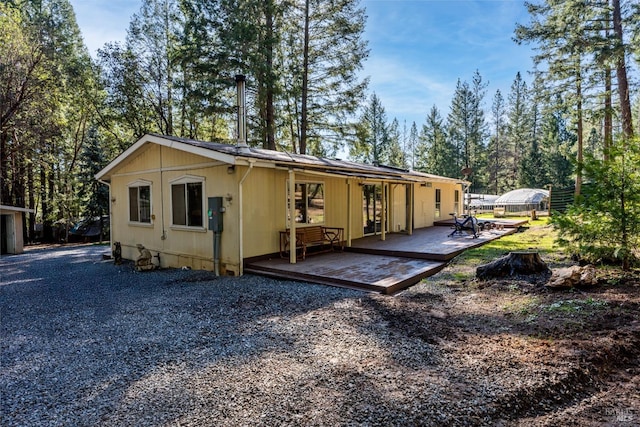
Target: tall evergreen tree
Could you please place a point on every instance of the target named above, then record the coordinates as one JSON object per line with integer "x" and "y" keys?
{"x": 372, "y": 143}
{"x": 467, "y": 129}
{"x": 558, "y": 145}
{"x": 395, "y": 153}
{"x": 50, "y": 128}
{"x": 435, "y": 154}
{"x": 95, "y": 195}
{"x": 412, "y": 145}
{"x": 579, "y": 42}
{"x": 497, "y": 153}
{"x": 518, "y": 129}
{"x": 326, "y": 90}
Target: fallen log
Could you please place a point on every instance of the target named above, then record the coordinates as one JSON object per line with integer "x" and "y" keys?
{"x": 516, "y": 263}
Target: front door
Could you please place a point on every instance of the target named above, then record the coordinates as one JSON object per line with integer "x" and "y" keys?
{"x": 372, "y": 208}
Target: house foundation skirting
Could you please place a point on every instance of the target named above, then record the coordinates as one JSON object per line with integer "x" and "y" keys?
{"x": 173, "y": 259}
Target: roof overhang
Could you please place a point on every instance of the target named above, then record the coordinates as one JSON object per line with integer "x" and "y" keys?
{"x": 104, "y": 174}
{"x": 15, "y": 209}
{"x": 233, "y": 155}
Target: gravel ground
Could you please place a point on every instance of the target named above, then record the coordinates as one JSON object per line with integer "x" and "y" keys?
{"x": 87, "y": 343}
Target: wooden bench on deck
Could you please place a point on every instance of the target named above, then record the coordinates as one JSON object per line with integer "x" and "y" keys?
{"x": 317, "y": 235}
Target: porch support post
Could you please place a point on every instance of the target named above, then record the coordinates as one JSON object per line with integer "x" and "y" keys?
{"x": 383, "y": 213}
{"x": 349, "y": 212}
{"x": 412, "y": 188}
{"x": 292, "y": 216}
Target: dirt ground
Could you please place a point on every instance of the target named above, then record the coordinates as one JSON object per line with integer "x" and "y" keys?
{"x": 85, "y": 342}
{"x": 587, "y": 339}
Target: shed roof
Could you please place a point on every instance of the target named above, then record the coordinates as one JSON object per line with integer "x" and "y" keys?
{"x": 232, "y": 154}
{"x": 15, "y": 209}
{"x": 522, "y": 196}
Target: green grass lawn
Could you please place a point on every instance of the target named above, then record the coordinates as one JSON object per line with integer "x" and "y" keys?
{"x": 538, "y": 237}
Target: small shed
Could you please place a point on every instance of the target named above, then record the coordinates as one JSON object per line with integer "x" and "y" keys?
{"x": 11, "y": 220}
{"x": 524, "y": 200}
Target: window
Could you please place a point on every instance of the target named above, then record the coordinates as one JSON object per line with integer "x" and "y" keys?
{"x": 140, "y": 202}
{"x": 187, "y": 202}
{"x": 309, "y": 202}
{"x": 456, "y": 206}
{"x": 438, "y": 202}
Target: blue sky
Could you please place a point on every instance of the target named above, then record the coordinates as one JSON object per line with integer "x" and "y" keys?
{"x": 419, "y": 48}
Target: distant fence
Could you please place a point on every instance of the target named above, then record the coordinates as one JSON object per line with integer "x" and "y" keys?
{"x": 561, "y": 198}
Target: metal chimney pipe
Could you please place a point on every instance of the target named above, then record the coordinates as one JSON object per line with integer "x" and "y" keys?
{"x": 242, "y": 116}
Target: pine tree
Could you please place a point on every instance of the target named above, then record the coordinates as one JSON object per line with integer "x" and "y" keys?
{"x": 435, "y": 154}
{"x": 327, "y": 51}
{"x": 412, "y": 145}
{"x": 518, "y": 129}
{"x": 557, "y": 146}
{"x": 51, "y": 128}
{"x": 604, "y": 225}
{"x": 497, "y": 153}
{"x": 579, "y": 43}
{"x": 94, "y": 194}
{"x": 395, "y": 154}
{"x": 467, "y": 129}
{"x": 372, "y": 144}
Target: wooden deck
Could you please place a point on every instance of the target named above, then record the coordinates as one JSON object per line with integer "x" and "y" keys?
{"x": 430, "y": 243}
{"x": 371, "y": 264}
{"x": 379, "y": 273}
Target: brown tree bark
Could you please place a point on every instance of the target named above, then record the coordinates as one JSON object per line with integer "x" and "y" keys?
{"x": 516, "y": 263}
{"x": 621, "y": 73}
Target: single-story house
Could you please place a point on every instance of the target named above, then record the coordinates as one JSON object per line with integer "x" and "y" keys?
{"x": 210, "y": 205}
{"x": 11, "y": 226}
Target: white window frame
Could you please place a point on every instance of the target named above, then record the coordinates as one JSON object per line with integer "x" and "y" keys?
{"x": 438, "y": 203}
{"x": 184, "y": 180}
{"x": 137, "y": 184}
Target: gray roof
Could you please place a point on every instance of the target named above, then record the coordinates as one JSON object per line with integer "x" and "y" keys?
{"x": 233, "y": 154}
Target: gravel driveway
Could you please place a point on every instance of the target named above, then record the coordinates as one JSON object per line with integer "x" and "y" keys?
{"x": 89, "y": 343}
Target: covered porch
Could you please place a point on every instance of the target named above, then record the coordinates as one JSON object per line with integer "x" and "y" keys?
{"x": 386, "y": 266}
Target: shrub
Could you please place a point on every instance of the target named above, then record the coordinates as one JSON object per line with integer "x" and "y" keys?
{"x": 603, "y": 224}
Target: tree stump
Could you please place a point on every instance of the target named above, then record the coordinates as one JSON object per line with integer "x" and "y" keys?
{"x": 516, "y": 263}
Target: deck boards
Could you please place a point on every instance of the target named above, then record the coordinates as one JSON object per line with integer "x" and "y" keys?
{"x": 388, "y": 266}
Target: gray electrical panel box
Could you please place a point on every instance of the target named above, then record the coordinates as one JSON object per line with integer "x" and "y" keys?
{"x": 214, "y": 213}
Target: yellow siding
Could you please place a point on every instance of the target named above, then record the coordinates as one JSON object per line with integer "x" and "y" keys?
{"x": 264, "y": 210}
{"x": 264, "y": 207}
{"x": 424, "y": 206}
{"x": 145, "y": 159}
{"x": 177, "y": 246}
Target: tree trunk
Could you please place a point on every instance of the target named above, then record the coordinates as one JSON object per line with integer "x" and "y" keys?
{"x": 621, "y": 72}
{"x": 305, "y": 81}
{"x": 579, "y": 130}
{"x": 516, "y": 263}
{"x": 270, "y": 79}
{"x": 608, "y": 114}
{"x": 32, "y": 203}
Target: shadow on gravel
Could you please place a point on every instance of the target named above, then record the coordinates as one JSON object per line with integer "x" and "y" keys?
{"x": 78, "y": 333}
{"x": 86, "y": 342}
